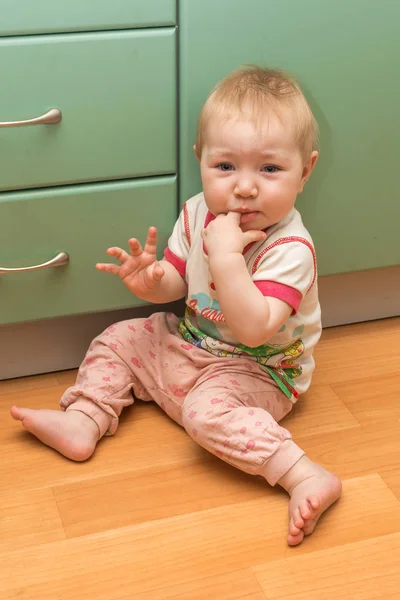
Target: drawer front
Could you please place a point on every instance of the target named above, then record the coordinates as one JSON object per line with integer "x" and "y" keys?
{"x": 117, "y": 95}
{"x": 83, "y": 221}
{"x": 46, "y": 16}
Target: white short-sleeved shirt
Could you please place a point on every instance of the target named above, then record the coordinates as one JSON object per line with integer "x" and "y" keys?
{"x": 283, "y": 266}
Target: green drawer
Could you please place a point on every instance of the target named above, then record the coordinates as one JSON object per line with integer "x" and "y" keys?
{"x": 46, "y": 16}
{"x": 82, "y": 221}
{"x": 117, "y": 95}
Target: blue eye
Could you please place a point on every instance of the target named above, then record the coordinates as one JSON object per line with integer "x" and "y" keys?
{"x": 225, "y": 167}
{"x": 270, "y": 169}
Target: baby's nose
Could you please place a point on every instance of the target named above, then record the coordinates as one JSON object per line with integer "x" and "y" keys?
{"x": 245, "y": 188}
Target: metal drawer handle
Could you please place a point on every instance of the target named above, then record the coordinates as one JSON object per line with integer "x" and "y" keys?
{"x": 59, "y": 260}
{"x": 52, "y": 117}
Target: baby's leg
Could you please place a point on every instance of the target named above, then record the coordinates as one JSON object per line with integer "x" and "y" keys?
{"x": 71, "y": 433}
{"x": 234, "y": 415}
{"x": 92, "y": 406}
{"x": 114, "y": 365}
{"x": 312, "y": 490}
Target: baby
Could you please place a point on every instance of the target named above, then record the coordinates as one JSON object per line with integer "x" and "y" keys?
{"x": 241, "y": 356}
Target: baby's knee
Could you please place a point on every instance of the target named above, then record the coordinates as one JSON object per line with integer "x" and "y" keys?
{"x": 192, "y": 415}
{"x": 200, "y": 414}
{"x": 113, "y": 339}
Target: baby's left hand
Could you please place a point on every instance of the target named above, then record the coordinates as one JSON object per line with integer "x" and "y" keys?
{"x": 224, "y": 236}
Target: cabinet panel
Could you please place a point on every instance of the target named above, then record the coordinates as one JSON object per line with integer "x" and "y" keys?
{"x": 117, "y": 95}
{"x": 83, "y": 221}
{"x": 346, "y": 56}
{"x": 46, "y": 16}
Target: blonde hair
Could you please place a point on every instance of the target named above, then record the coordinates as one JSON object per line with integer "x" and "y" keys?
{"x": 260, "y": 92}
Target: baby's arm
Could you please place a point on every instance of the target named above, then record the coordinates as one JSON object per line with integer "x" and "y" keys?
{"x": 252, "y": 317}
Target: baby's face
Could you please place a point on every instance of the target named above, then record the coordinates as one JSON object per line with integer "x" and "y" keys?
{"x": 255, "y": 171}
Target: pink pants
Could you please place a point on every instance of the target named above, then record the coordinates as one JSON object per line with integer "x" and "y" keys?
{"x": 228, "y": 406}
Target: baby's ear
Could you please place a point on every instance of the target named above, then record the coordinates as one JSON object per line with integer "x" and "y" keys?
{"x": 308, "y": 168}
{"x": 196, "y": 153}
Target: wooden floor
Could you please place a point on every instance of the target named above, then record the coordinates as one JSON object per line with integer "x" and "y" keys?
{"x": 153, "y": 517}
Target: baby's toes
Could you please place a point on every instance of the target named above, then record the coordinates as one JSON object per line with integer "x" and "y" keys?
{"x": 294, "y": 540}
{"x": 310, "y": 526}
{"x": 293, "y": 530}
{"x": 298, "y": 519}
{"x": 314, "y": 502}
{"x": 305, "y": 510}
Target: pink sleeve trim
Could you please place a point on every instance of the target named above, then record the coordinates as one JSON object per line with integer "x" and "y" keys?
{"x": 178, "y": 263}
{"x": 281, "y": 291}
{"x": 287, "y": 240}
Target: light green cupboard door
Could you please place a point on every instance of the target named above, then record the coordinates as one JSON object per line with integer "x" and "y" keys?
{"x": 83, "y": 221}
{"x": 117, "y": 95}
{"x": 346, "y": 56}
{"x": 23, "y": 17}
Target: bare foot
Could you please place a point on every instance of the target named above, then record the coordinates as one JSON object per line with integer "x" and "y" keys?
{"x": 72, "y": 433}
{"x": 312, "y": 490}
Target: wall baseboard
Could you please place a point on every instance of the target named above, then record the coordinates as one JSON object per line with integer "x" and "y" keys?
{"x": 59, "y": 344}
{"x": 361, "y": 296}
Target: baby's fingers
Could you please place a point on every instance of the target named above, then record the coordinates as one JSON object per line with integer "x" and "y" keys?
{"x": 254, "y": 235}
{"x": 234, "y": 216}
{"x": 108, "y": 268}
{"x": 136, "y": 248}
{"x": 151, "y": 241}
{"x": 153, "y": 274}
{"x": 118, "y": 253}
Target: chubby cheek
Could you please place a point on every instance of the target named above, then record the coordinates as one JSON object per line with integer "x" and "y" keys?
{"x": 276, "y": 207}
{"x": 283, "y": 195}
{"x": 215, "y": 193}
{"x": 283, "y": 205}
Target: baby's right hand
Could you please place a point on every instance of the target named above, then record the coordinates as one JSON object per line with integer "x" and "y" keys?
{"x": 140, "y": 270}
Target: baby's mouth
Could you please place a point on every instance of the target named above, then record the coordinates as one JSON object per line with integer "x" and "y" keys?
{"x": 246, "y": 217}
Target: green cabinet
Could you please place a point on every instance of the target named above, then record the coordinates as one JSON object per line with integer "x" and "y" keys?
{"x": 24, "y": 17}
{"x": 83, "y": 221}
{"x": 108, "y": 87}
{"x": 346, "y": 56}
{"x": 102, "y": 174}
{"x": 108, "y": 169}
